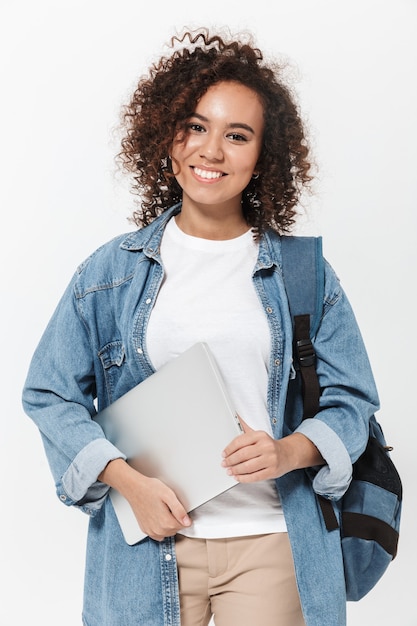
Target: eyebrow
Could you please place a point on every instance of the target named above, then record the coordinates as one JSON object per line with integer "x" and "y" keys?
{"x": 232, "y": 125}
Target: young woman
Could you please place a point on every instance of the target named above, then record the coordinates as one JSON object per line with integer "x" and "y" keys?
{"x": 217, "y": 150}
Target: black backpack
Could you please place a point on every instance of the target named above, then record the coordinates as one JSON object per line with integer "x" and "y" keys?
{"x": 371, "y": 507}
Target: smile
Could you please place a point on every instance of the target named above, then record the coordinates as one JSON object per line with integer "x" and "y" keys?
{"x": 208, "y": 174}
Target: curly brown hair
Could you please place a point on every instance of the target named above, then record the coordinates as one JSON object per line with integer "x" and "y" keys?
{"x": 164, "y": 100}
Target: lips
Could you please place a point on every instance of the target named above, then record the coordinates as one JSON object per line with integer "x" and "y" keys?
{"x": 208, "y": 174}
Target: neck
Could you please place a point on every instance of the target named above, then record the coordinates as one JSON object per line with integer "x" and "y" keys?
{"x": 209, "y": 223}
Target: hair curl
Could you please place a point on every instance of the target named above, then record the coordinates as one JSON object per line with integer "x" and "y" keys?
{"x": 164, "y": 100}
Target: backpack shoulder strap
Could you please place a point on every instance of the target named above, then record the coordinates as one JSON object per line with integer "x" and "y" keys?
{"x": 303, "y": 274}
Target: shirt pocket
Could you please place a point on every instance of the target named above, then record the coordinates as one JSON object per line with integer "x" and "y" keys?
{"x": 112, "y": 357}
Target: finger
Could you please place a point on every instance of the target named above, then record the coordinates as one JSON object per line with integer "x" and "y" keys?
{"x": 178, "y": 511}
{"x": 242, "y": 462}
{"x": 246, "y": 446}
{"x": 245, "y": 426}
{"x": 251, "y": 467}
{"x": 259, "y": 452}
{"x": 245, "y": 465}
{"x": 252, "y": 477}
{"x": 240, "y": 442}
{"x": 165, "y": 526}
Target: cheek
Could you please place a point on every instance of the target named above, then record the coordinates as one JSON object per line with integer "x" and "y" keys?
{"x": 175, "y": 152}
{"x": 177, "y": 157}
{"x": 181, "y": 150}
{"x": 248, "y": 165}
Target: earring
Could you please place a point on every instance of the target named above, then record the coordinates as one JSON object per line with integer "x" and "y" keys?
{"x": 255, "y": 176}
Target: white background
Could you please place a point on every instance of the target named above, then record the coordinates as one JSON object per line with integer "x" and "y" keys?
{"x": 66, "y": 67}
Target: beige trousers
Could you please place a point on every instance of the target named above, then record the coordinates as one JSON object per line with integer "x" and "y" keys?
{"x": 242, "y": 581}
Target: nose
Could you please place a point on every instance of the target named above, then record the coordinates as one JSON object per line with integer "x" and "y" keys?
{"x": 211, "y": 149}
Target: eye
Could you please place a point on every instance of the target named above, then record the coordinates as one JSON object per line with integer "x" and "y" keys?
{"x": 238, "y": 137}
{"x": 194, "y": 127}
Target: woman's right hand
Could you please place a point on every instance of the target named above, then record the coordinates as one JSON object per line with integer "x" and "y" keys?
{"x": 156, "y": 507}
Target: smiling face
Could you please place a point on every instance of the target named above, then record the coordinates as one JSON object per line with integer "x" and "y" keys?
{"x": 218, "y": 155}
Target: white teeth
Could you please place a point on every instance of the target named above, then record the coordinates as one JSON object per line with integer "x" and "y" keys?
{"x": 207, "y": 174}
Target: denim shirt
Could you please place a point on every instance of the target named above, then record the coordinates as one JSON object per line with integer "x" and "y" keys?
{"x": 94, "y": 350}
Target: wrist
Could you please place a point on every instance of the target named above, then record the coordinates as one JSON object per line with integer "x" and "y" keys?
{"x": 119, "y": 475}
{"x": 301, "y": 452}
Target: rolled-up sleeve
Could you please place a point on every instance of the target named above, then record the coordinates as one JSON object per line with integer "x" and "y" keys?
{"x": 333, "y": 479}
{"x": 79, "y": 485}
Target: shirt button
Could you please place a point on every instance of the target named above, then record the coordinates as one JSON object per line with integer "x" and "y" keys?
{"x": 168, "y": 557}
{"x": 63, "y": 498}
{"x": 268, "y": 309}
{"x": 148, "y": 301}
{"x": 274, "y": 420}
{"x": 277, "y": 362}
{"x": 139, "y": 351}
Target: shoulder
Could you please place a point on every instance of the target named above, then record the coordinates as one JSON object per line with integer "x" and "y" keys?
{"x": 301, "y": 259}
{"x": 115, "y": 262}
{"x": 332, "y": 287}
{"x": 104, "y": 267}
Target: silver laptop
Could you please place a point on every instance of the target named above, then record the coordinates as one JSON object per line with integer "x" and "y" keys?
{"x": 174, "y": 426}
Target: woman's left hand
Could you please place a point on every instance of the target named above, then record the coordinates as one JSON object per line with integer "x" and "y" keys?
{"x": 255, "y": 455}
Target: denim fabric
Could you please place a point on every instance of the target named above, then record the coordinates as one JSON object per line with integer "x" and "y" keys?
{"x": 94, "y": 350}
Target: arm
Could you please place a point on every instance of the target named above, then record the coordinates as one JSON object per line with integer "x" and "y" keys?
{"x": 349, "y": 397}
{"x": 59, "y": 396}
{"x": 333, "y": 440}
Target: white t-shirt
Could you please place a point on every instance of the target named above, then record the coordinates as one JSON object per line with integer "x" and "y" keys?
{"x": 208, "y": 295}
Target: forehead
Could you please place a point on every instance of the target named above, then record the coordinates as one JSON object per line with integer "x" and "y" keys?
{"x": 232, "y": 101}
